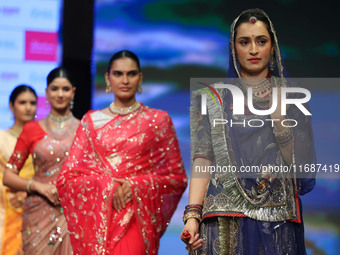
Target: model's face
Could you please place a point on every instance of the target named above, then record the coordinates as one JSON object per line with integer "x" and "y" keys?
{"x": 124, "y": 79}
{"x": 253, "y": 48}
{"x": 60, "y": 93}
{"x": 24, "y": 107}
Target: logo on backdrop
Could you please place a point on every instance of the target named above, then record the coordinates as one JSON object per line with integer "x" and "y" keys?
{"x": 41, "y": 46}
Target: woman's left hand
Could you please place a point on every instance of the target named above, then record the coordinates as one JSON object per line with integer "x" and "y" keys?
{"x": 16, "y": 199}
{"x": 190, "y": 235}
{"x": 122, "y": 194}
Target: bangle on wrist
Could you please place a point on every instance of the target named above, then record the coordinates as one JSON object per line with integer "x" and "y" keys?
{"x": 193, "y": 211}
{"x": 190, "y": 215}
{"x": 284, "y": 137}
{"x": 286, "y": 129}
{"x": 11, "y": 166}
{"x": 28, "y": 187}
{"x": 194, "y": 206}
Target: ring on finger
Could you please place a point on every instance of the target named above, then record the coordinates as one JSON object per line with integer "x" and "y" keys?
{"x": 130, "y": 195}
{"x": 54, "y": 191}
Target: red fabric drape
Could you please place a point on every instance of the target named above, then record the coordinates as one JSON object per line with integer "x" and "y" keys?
{"x": 141, "y": 147}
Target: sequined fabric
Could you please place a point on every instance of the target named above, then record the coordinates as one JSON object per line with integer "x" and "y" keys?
{"x": 44, "y": 227}
{"x": 141, "y": 147}
{"x": 231, "y": 193}
{"x": 219, "y": 235}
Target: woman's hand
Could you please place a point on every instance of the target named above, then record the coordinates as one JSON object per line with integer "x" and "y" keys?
{"x": 47, "y": 190}
{"x": 16, "y": 199}
{"x": 122, "y": 194}
{"x": 190, "y": 235}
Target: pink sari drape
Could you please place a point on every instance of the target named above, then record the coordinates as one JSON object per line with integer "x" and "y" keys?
{"x": 141, "y": 147}
{"x": 44, "y": 228}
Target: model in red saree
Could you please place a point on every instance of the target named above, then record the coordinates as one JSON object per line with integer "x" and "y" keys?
{"x": 141, "y": 147}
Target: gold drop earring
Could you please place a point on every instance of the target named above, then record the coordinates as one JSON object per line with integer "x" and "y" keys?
{"x": 108, "y": 88}
{"x": 140, "y": 89}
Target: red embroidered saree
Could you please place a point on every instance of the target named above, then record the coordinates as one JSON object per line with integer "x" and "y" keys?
{"x": 141, "y": 147}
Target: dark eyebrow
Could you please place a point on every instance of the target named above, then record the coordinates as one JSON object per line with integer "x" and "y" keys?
{"x": 257, "y": 37}
{"x": 261, "y": 36}
{"x": 118, "y": 71}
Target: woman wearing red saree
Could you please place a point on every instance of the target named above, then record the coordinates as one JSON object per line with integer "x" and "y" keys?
{"x": 124, "y": 176}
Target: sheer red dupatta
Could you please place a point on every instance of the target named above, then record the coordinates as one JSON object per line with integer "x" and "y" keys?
{"x": 152, "y": 165}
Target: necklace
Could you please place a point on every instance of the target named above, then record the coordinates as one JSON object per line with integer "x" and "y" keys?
{"x": 126, "y": 110}
{"x": 263, "y": 83}
{"x": 261, "y": 90}
{"x": 14, "y": 131}
{"x": 60, "y": 121}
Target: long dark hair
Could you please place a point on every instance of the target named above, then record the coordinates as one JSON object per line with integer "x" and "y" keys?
{"x": 20, "y": 89}
{"x": 59, "y": 72}
{"x": 123, "y": 54}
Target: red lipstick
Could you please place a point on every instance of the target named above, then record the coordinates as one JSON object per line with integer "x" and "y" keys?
{"x": 254, "y": 60}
